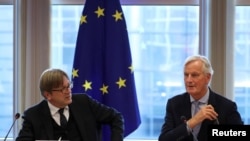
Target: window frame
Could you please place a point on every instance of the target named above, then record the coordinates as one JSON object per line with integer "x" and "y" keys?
{"x": 132, "y": 2}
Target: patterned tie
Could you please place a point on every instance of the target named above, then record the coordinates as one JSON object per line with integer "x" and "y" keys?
{"x": 196, "y": 129}
{"x": 63, "y": 120}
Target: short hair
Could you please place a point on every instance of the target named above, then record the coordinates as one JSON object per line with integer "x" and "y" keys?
{"x": 51, "y": 78}
{"x": 207, "y": 67}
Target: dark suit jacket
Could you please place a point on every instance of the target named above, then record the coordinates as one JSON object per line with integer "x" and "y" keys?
{"x": 174, "y": 127}
{"x": 88, "y": 115}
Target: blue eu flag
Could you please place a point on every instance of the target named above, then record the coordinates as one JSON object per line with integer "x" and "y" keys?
{"x": 102, "y": 64}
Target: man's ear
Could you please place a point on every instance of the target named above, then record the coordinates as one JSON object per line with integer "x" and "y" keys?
{"x": 209, "y": 77}
{"x": 46, "y": 94}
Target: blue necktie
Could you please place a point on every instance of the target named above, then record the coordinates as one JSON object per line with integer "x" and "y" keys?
{"x": 196, "y": 129}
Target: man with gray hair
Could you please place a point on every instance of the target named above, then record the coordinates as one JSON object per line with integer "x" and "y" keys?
{"x": 189, "y": 114}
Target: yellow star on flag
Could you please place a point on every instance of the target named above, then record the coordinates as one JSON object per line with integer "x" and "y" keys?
{"x": 117, "y": 15}
{"x": 75, "y": 73}
{"x": 121, "y": 82}
{"x": 83, "y": 19}
{"x": 99, "y": 12}
{"x": 131, "y": 68}
{"x": 104, "y": 89}
{"x": 87, "y": 85}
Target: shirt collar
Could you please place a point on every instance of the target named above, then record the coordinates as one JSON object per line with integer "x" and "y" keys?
{"x": 54, "y": 109}
{"x": 203, "y": 100}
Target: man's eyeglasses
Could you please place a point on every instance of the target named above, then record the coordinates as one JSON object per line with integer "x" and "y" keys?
{"x": 65, "y": 89}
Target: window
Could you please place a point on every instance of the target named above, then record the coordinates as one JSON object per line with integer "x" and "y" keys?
{"x": 6, "y": 69}
{"x": 242, "y": 61}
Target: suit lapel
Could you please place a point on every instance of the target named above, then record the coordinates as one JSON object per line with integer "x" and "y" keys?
{"x": 79, "y": 118}
{"x": 186, "y": 107}
{"x": 46, "y": 119}
{"x": 211, "y": 100}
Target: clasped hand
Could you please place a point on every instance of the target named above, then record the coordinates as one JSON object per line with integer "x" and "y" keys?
{"x": 205, "y": 112}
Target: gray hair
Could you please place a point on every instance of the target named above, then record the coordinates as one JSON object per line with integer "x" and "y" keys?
{"x": 207, "y": 67}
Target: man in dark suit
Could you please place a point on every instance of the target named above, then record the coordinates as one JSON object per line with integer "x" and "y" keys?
{"x": 81, "y": 117}
{"x": 189, "y": 114}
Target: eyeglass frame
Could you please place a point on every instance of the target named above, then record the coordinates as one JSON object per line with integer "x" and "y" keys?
{"x": 64, "y": 89}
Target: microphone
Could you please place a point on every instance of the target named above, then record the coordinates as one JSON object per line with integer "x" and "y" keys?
{"x": 183, "y": 118}
{"x": 17, "y": 115}
{"x": 216, "y": 121}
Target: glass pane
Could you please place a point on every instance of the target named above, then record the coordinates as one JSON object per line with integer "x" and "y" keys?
{"x": 161, "y": 37}
{"x": 6, "y": 69}
{"x": 242, "y": 61}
